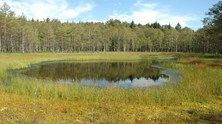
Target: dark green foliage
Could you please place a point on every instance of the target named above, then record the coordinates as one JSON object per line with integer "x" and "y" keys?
{"x": 132, "y": 25}
{"x": 178, "y": 27}
{"x": 156, "y": 25}
{"x": 213, "y": 27}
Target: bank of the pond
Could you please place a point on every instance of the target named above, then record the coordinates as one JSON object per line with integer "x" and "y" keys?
{"x": 197, "y": 98}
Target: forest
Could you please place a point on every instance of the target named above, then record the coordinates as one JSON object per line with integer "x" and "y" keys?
{"x": 110, "y": 72}
{"x": 18, "y": 34}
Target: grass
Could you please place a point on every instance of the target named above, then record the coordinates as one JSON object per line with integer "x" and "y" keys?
{"x": 197, "y": 98}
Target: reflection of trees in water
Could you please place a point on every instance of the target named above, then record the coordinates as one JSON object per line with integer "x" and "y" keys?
{"x": 111, "y": 71}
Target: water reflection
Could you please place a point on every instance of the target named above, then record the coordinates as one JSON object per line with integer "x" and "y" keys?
{"x": 115, "y": 74}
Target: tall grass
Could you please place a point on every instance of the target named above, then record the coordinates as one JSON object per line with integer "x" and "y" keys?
{"x": 200, "y": 83}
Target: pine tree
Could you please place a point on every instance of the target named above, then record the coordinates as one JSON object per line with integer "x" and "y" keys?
{"x": 178, "y": 27}
{"x": 132, "y": 25}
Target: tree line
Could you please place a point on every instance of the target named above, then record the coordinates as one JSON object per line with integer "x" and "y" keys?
{"x": 18, "y": 34}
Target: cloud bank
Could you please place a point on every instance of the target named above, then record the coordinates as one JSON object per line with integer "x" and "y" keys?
{"x": 144, "y": 13}
{"x": 68, "y": 10}
{"x": 40, "y": 9}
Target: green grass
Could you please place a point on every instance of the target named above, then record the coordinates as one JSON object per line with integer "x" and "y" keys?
{"x": 197, "y": 98}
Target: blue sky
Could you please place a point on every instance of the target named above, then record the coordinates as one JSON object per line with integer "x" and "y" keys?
{"x": 187, "y": 12}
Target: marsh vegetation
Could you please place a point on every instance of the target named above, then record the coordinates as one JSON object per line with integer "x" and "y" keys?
{"x": 195, "y": 98}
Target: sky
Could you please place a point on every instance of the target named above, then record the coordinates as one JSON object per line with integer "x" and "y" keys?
{"x": 188, "y": 13}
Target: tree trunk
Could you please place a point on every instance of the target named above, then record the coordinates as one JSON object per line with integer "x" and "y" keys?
{"x": 5, "y": 38}
{"x": 133, "y": 46}
{"x": 23, "y": 44}
{"x": 104, "y": 47}
{"x": 0, "y": 41}
{"x": 11, "y": 44}
{"x": 176, "y": 47}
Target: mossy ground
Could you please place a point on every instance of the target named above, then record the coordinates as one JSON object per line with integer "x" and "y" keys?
{"x": 197, "y": 98}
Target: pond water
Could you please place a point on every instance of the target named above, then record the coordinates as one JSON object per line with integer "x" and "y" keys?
{"x": 114, "y": 74}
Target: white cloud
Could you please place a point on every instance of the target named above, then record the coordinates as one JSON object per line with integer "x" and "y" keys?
{"x": 40, "y": 9}
{"x": 151, "y": 12}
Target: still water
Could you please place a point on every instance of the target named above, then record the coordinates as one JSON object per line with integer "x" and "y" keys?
{"x": 113, "y": 74}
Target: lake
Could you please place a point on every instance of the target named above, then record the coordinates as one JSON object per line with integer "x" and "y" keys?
{"x": 113, "y": 74}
